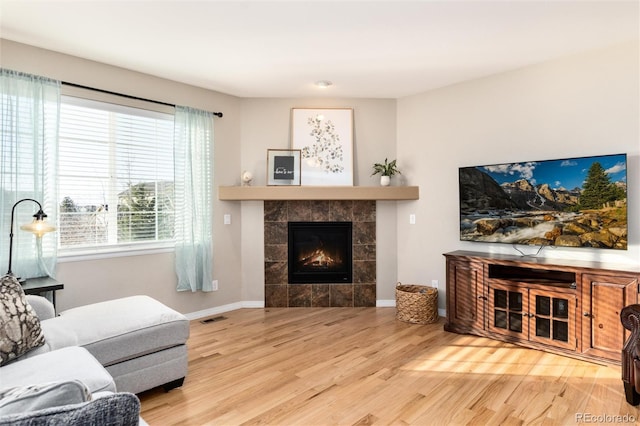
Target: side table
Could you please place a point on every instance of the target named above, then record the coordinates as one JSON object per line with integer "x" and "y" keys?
{"x": 39, "y": 285}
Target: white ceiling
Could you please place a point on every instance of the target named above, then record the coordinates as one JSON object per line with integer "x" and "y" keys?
{"x": 372, "y": 49}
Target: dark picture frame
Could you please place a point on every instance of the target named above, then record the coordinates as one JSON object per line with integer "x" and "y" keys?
{"x": 283, "y": 167}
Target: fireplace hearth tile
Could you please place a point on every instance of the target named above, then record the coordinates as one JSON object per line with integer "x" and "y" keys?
{"x": 275, "y": 233}
{"x": 275, "y": 272}
{"x": 341, "y": 296}
{"x": 364, "y": 272}
{"x": 364, "y": 295}
{"x": 320, "y": 296}
{"x": 275, "y": 296}
{"x": 299, "y": 211}
{"x": 275, "y": 211}
{"x": 341, "y": 211}
{"x": 275, "y": 252}
{"x": 364, "y": 252}
{"x": 364, "y": 233}
{"x": 300, "y": 296}
{"x": 364, "y": 211}
{"x": 320, "y": 211}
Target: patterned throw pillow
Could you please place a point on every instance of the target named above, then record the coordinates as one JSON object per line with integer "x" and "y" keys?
{"x": 19, "y": 325}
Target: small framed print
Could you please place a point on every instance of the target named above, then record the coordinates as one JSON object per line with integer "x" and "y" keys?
{"x": 283, "y": 167}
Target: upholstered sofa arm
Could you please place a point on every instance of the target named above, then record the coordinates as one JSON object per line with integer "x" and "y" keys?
{"x": 43, "y": 308}
{"x": 630, "y": 318}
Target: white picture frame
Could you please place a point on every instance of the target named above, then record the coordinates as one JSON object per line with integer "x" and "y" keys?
{"x": 324, "y": 137}
{"x": 283, "y": 167}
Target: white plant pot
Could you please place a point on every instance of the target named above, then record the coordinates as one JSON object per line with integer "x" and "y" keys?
{"x": 385, "y": 180}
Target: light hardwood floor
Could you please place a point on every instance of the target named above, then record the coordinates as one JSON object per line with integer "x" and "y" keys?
{"x": 344, "y": 366}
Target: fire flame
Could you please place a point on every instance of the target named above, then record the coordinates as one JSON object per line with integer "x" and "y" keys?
{"x": 318, "y": 259}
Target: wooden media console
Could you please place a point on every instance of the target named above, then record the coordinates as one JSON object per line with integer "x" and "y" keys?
{"x": 562, "y": 306}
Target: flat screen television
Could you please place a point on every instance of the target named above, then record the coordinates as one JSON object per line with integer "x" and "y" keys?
{"x": 571, "y": 202}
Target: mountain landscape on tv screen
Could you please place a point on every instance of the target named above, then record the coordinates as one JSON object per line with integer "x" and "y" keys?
{"x": 579, "y": 202}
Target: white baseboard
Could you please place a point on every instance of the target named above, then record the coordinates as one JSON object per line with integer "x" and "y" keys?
{"x": 224, "y": 308}
{"x": 258, "y": 304}
{"x": 253, "y": 304}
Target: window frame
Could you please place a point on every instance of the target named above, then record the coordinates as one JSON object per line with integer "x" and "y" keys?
{"x": 131, "y": 248}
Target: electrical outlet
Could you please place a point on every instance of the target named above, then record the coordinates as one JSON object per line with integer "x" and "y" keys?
{"x": 227, "y": 219}
{"x": 412, "y": 219}
{"x": 214, "y": 285}
{"x": 434, "y": 283}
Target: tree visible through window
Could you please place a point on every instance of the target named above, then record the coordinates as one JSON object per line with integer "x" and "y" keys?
{"x": 116, "y": 185}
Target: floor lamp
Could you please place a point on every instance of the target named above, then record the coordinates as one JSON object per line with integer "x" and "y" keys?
{"x": 38, "y": 226}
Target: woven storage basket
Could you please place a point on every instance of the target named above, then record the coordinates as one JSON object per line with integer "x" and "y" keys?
{"x": 416, "y": 304}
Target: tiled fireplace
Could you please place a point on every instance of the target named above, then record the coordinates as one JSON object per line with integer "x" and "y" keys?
{"x": 360, "y": 292}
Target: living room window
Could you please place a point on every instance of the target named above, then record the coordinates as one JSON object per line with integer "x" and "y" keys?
{"x": 116, "y": 177}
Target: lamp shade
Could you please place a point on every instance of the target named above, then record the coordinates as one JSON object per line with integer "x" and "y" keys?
{"x": 39, "y": 227}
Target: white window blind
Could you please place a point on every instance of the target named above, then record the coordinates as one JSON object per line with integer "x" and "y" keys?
{"x": 116, "y": 185}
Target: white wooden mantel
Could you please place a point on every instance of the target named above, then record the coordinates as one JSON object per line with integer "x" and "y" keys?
{"x": 246, "y": 193}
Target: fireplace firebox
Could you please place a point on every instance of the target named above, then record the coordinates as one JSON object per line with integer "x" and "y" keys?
{"x": 320, "y": 252}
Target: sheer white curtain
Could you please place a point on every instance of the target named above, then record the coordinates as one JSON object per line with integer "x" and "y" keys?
{"x": 193, "y": 205}
{"x": 29, "y": 115}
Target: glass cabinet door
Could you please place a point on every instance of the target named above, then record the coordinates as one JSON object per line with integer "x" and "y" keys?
{"x": 553, "y": 318}
{"x": 507, "y": 311}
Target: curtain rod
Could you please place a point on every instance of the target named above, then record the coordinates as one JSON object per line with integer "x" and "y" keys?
{"x": 217, "y": 114}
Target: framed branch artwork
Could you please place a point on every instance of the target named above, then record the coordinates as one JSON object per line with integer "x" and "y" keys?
{"x": 283, "y": 167}
{"x": 325, "y": 140}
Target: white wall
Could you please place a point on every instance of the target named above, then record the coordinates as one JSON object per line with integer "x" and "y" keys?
{"x": 581, "y": 105}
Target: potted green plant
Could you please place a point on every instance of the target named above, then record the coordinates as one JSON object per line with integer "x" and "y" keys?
{"x": 386, "y": 170}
